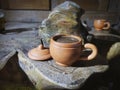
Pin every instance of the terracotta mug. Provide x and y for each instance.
(66, 49)
(101, 24)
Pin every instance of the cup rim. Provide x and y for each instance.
(100, 20)
(72, 44)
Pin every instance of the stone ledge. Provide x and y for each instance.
(45, 74)
(5, 56)
(56, 76)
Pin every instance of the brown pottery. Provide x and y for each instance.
(39, 53)
(66, 49)
(101, 24)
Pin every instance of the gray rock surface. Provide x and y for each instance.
(44, 74)
(56, 76)
(63, 19)
(10, 42)
(114, 51)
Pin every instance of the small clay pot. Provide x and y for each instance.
(39, 53)
(66, 49)
(101, 24)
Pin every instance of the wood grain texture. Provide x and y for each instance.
(91, 5)
(27, 4)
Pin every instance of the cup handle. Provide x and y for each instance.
(106, 25)
(93, 54)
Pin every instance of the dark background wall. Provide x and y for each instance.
(37, 10)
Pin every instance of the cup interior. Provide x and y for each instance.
(66, 39)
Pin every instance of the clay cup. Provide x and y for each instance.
(101, 24)
(67, 49)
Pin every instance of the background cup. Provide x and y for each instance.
(101, 24)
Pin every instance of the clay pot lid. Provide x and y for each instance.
(39, 53)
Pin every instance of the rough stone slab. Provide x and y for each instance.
(36, 77)
(5, 56)
(45, 74)
(64, 77)
(6, 50)
(10, 42)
